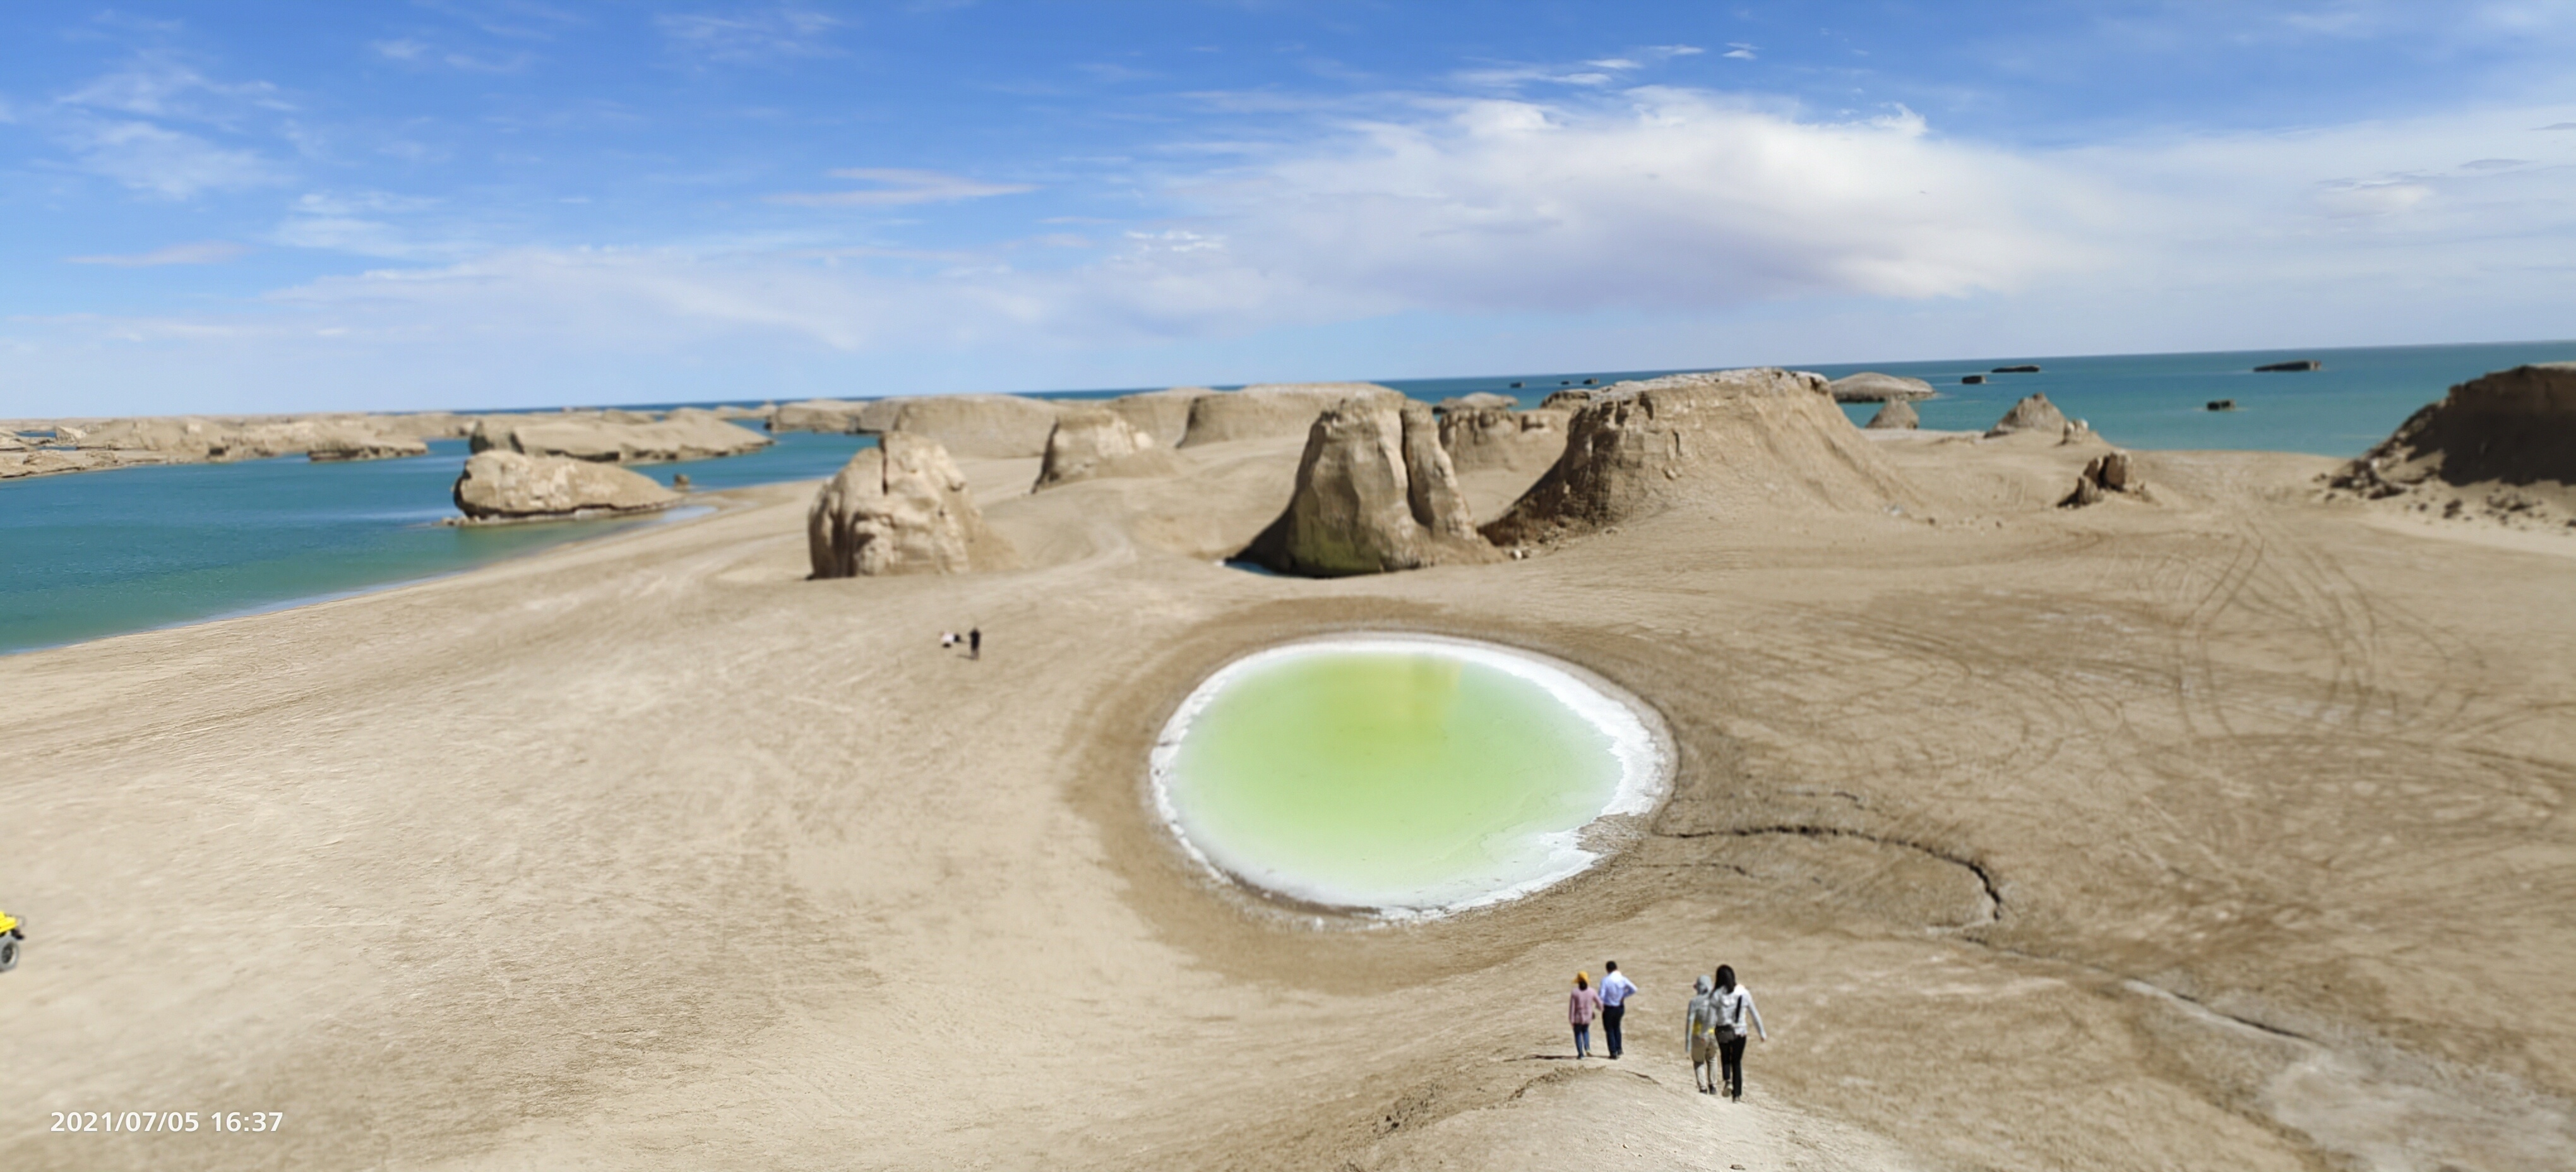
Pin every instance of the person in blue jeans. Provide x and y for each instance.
(1615, 992)
(1581, 1009)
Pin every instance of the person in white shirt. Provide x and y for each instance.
(1616, 989)
(1734, 1011)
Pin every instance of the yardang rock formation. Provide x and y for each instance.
(1375, 492)
(1092, 442)
(504, 485)
(900, 507)
(1734, 440)
(2502, 445)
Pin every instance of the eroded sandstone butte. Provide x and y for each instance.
(1089, 443)
(504, 485)
(901, 507)
(1375, 492)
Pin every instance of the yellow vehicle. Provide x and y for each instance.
(13, 936)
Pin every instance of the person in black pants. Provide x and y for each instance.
(975, 643)
(1616, 989)
(1734, 1011)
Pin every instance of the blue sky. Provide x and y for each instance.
(269, 206)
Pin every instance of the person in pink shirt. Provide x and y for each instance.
(1581, 1009)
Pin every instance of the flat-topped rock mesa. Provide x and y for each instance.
(2501, 445)
(1734, 440)
(1895, 415)
(1163, 414)
(501, 485)
(1267, 410)
(1474, 400)
(2034, 414)
(901, 507)
(192, 439)
(1487, 437)
(1869, 386)
(993, 427)
(1375, 493)
(1089, 443)
(686, 435)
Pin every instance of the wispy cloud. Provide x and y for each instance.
(1740, 51)
(166, 163)
(203, 252)
(897, 187)
(158, 84)
(751, 36)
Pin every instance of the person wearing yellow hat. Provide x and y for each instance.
(1581, 1009)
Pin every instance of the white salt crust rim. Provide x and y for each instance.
(1636, 735)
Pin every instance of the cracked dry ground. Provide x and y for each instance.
(2226, 831)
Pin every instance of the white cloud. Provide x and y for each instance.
(1740, 51)
(898, 186)
(159, 85)
(749, 37)
(166, 163)
(203, 252)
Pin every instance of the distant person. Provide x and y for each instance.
(975, 643)
(1734, 1011)
(1581, 1009)
(1616, 989)
(1699, 1030)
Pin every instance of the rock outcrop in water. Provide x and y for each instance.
(901, 507)
(514, 486)
(1869, 386)
(1483, 437)
(1266, 410)
(1895, 415)
(1738, 441)
(1375, 492)
(686, 435)
(2500, 446)
(2034, 413)
(1093, 442)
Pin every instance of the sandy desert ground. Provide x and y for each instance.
(2228, 830)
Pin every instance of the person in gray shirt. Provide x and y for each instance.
(1699, 1035)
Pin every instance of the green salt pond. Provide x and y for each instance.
(1402, 774)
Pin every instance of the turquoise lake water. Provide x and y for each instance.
(93, 554)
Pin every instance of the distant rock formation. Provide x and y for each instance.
(1479, 438)
(1093, 442)
(1972, 380)
(1743, 440)
(2295, 365)
(2502, 446)
(2033, 413)
(828, 416)
(1267, 410)
(900, 507)
(343, 444)
(1895, 415)
(1869, 386)
(693, 435)
(988, 427)
(2022, 369)
(507, 485)
(2105, 474)
(1474, 401)
(1164, 414)
(1375, 492)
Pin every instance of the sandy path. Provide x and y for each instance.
(2226, 831)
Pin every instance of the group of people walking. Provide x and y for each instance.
(1715, 1026)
